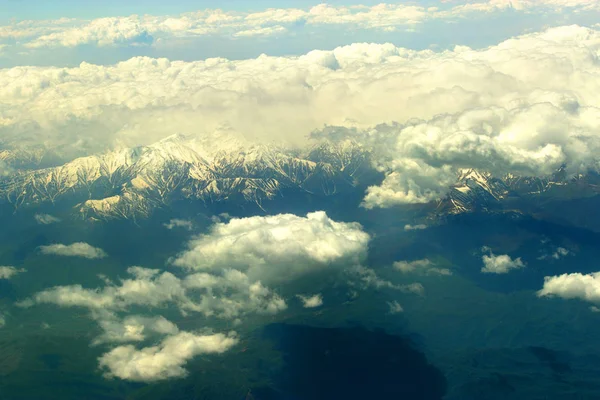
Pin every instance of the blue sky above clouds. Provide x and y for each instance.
(67, 32)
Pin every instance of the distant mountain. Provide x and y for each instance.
(132, 182)
(483, 192)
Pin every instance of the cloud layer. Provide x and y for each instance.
(424, 114)
(148, 30)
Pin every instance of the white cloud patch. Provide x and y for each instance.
(132, 328)
(395, 307)
(46, 219)
(5, 169)
(560, 252)
(79, 249)
(7, 272)
(164, 361)
(573, 286)
(499, 264)
(277, 248)
(311, 301)
(179, 223)
(424, 266)
(418, 227)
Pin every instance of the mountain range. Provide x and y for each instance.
(131, 183)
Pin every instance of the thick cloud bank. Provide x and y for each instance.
(526, 106)
(277, 248)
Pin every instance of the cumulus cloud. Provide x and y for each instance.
(7, 272)
(78, 249)
(164, 361)
(395, 307)
(132, 328)
(179, 223)
(573, 286)
(500, 264)
(311, 301)
(277, 248)
(46, 219)
(423, 266)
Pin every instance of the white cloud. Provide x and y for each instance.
(409, 227)
(46, 219)
(277, 248)
(263, 31)
(502, 264)
(313, 301)
(132, 328)
(423, 266)
(573, 286)
(7, 272)
(5, 169)
(136, 30)
(395, 307)
(227, 294)
(79, 249)
(164, 361)
(179, 223)
(560, 252)
(557, 254)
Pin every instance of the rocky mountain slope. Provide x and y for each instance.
(130, 183)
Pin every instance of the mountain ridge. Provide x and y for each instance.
(131, 183)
